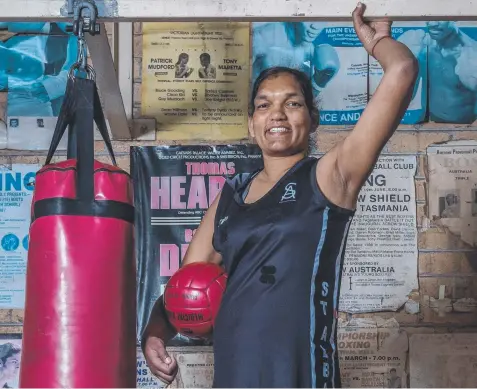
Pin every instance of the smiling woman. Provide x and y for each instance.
(292, 88)
(281, 231)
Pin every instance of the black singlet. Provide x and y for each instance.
(277, 323)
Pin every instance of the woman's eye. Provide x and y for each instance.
(294, 104)
(261, 106)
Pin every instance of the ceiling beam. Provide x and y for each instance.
(244, 10)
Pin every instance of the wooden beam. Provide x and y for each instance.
(125, 65)
(107, 81)
(245, 10)
(142, 128)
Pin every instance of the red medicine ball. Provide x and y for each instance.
(192, 298)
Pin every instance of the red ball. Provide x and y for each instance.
(192, 298)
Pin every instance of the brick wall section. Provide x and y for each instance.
(443, 258)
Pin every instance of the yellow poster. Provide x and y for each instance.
(196, 79)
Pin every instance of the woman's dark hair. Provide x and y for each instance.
(300, 77)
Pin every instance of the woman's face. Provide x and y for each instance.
(281, 121)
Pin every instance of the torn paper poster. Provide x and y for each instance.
(196, 368)
(443, 360)
(411, 34)
(380, 264)
(452, 171)
(372, 353)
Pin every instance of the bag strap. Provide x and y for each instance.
(83, 119)
(66, 119)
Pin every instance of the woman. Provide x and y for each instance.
(281, 233)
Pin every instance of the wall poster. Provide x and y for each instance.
(173, 187)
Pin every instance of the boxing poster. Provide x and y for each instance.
(195, 79)
(372, 353)
(381, 258)
(10, 356)
(344, 77)
(452, 48)
(34, 66)
(16, 191)
(173, 188)
(330, 54)
(452, 193)
(411, 34)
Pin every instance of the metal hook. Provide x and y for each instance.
(89, 24)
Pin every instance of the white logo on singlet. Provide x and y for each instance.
(223, 220)
(290, 193)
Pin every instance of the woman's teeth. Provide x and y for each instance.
(278, 129)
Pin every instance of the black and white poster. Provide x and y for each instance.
(173, 188)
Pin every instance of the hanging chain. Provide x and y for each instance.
(82, 24)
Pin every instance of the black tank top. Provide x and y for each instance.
(277, 323)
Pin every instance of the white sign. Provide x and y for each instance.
(16, 189)
(453, 188)
(380, 265)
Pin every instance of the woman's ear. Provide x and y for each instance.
(250, 128)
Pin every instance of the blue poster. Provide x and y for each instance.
(34, 66)
(331, 55)
(452, 51)
(412, 35)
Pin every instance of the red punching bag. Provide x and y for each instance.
(80, 310)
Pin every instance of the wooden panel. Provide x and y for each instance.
(98, 46)
(246, 9)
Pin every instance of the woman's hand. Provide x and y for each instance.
(370, 33)
(378, 42)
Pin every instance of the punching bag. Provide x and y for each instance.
(80, 309)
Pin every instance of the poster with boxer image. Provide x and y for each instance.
(411, 34)
(10, 356)
(34, 67)
(173, 188)
(16, 190)
(331, 55)
(195, 79)
(452, 48)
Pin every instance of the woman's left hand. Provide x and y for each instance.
(370, 33)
